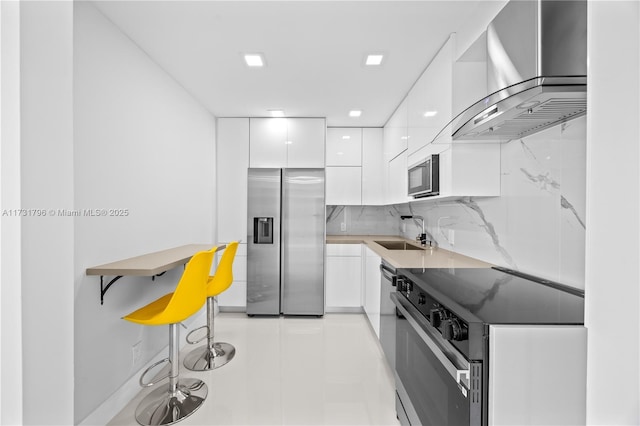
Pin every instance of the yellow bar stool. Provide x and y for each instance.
(214, 354)
(177, 399)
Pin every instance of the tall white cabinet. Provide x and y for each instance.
(232, 142)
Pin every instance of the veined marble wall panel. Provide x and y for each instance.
(363, 220)
(536, 226)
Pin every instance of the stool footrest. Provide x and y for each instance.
(152, 366)
(195, 342)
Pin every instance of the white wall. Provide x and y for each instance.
(142, 143)
(613, 214)
(46, 181)
(10, 273)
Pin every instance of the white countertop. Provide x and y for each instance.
(427, 258)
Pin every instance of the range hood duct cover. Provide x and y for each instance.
(536, 69)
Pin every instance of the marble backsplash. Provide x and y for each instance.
(536, 226)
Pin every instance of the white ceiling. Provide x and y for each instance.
(314, 51)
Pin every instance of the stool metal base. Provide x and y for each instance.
(205, 358)
(163, 407)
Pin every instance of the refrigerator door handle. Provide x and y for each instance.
(283, 235)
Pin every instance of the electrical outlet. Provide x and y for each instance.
(343, 227)
(452, 236)
(404, 227)
(136, 352)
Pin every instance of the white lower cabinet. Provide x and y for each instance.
(343, 277)
(371, 297)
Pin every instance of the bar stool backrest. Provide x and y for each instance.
(191, 291)
(224, 273)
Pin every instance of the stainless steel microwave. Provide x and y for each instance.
(424, 178)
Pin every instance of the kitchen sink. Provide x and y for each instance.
(397, 245)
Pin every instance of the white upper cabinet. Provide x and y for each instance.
(268, 137)
(343, 186)
(395, 133)
(344, 146)
(429, 103)
(305, 142)
(351, 180)
(373, 176)
(397, 178)
(470, 76)
(287, 142)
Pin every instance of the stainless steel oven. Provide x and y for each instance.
(434, 382)
(453, 325)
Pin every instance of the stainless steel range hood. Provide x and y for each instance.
(536, 71)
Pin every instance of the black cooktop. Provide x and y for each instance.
(493, 296)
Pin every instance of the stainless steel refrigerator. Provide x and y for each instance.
(285, 242)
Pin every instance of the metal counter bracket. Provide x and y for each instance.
(103, 289)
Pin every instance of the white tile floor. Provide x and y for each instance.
(294, 371)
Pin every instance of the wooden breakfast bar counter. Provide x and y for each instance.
(146, 265)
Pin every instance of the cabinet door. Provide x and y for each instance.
(372, 289)
(429, 103)
(398, 191)
(305, 142)
(395, 133)
(231, 171)
(343, 280)
(268, 142)
(373, 175)
(344, 146)
(344, 186)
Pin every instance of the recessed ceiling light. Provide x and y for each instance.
(254, 60)
(430, 113)
(340, 153)
(355, 113)
(276, 112)
(374, 59)
(288, 142)
(346, 137)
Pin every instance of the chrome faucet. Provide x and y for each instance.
(423, 236)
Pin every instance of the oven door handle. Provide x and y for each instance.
(461, 376)
(388, 274)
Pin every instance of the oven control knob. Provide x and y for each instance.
(452, 330)
(408, 287)
(422, 299)
(435, 317)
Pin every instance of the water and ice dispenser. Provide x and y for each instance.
(263, 230)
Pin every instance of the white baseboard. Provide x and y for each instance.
(235, 309)
(343, 310)
(121, 397)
